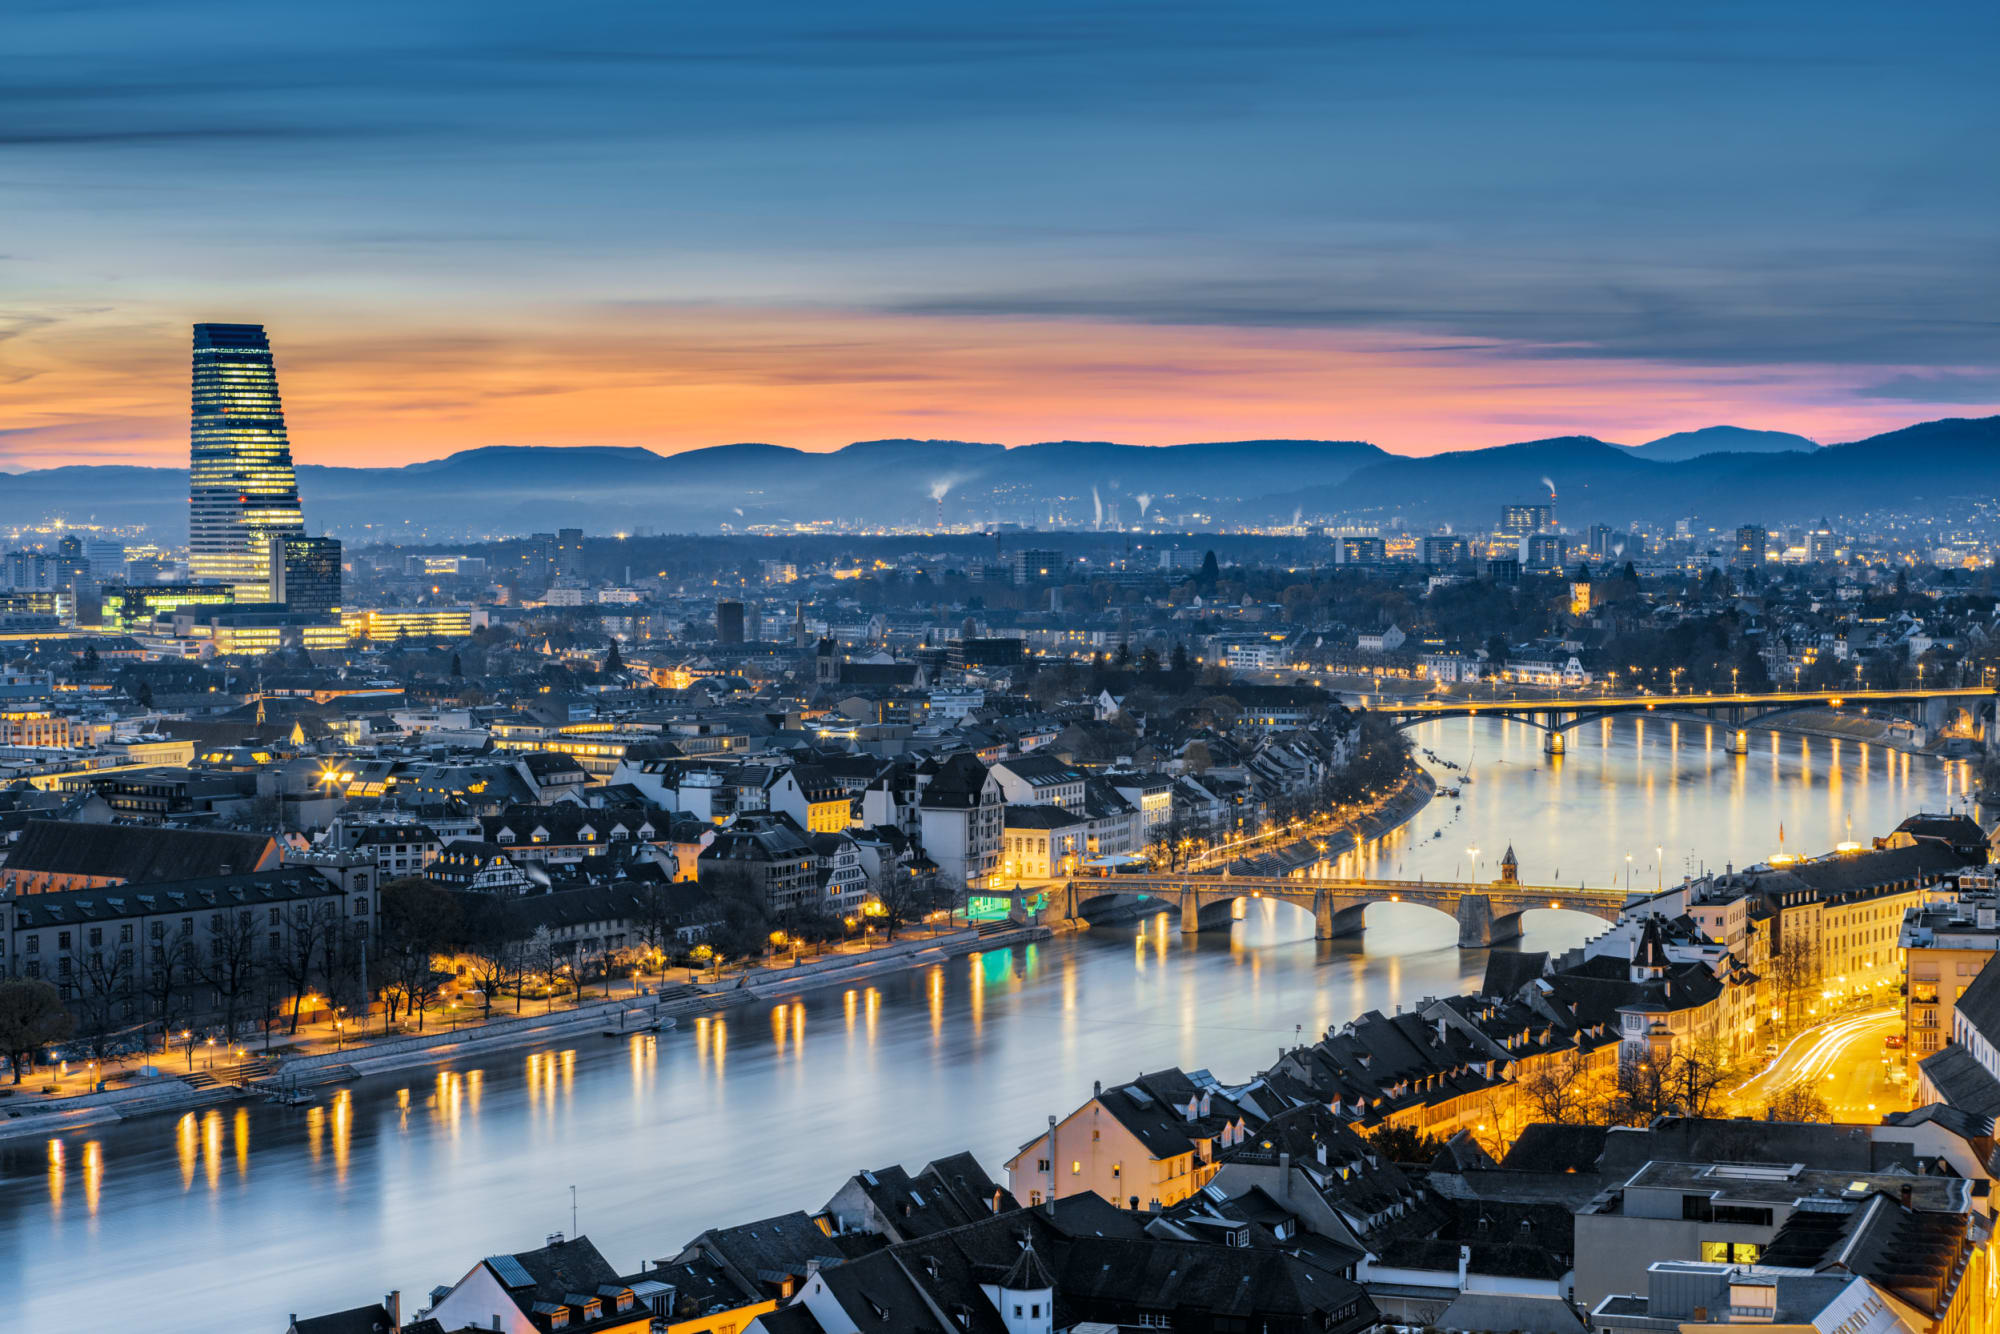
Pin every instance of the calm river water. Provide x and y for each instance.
(244, 1214)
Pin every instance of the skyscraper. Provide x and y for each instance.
(305, 573)
(241, 487)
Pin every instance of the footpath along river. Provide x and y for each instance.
(243, 1214)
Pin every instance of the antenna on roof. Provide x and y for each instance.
(572, 1211)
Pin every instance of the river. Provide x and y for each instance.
(241, 1214)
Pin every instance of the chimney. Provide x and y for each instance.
(1909, 1192)
(1285, 1175)
(393, 1304)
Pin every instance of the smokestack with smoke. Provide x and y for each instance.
(1145, 499)
(939, 490)
(1552, 502)
(1096, 509)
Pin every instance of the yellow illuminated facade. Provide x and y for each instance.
(410, 622)
(241, 487)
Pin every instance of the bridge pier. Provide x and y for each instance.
(1190, 912)
(1322, 915)
(1739, 741)
(1554, 743)
(1475, 921)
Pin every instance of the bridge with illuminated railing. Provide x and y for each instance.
(1485, 913)
(1561, 714)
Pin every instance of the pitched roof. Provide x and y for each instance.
(135, 852)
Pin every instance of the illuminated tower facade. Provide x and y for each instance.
(242, 491)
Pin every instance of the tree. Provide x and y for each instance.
(904, 899)
(297, 955)
(457, 666)
(32, 1016)
(614, 661)
(545, 960)
(492, 945)
(143, 697)
(90, 661)
(1687, 1080)
(1795, 975)
(654, 919)
(103, 994)
(1211, 572)
(1700, 1069)
(1797, 1102)
(1562, 1091)
(1177, 661)
(419, 921)
(166, 981)
(230, 962)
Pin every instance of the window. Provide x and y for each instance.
(62, 940)
(156, 930)
(1730, 1252)
(1075, 1167)
(96, 936)
(35, 947)
(274, 917)
(125, 934)
(187, 926)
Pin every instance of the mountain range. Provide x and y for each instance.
(1721, 475)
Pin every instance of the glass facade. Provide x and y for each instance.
(241, 488)
(305, 573)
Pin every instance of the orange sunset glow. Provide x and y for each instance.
(104, 390)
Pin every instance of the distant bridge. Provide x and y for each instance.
(1485, 913)
(1559, 715)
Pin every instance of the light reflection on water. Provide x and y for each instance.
(405, 1180)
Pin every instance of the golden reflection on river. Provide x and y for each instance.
(406, 1178)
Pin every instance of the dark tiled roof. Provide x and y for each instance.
(1980, 1005)
(1962, 1081)
(1557, 1148)
(360, 1320)
(133, 852)
(171, 896)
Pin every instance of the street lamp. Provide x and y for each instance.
(1628, 874)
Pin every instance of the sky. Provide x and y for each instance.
(1430, 226)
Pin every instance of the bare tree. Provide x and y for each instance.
(305, 923)
(1797, 1102)
(32, 1015)
(230, 962)
(168, 974)
(1699, 1070)
(1795, 975)
(545, 958)
(1687, 1080)
(103, 983)
(493, 949)
(1562, 1090)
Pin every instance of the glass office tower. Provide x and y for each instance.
(242, 491)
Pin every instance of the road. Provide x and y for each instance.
(1842, 1059)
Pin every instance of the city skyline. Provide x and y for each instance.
(674, 230)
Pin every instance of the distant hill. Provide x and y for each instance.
(1684, 445)
(1722, 475)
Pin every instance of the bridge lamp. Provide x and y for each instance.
(1555, 903)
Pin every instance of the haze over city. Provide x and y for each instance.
(682, 226)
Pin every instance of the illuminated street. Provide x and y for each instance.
(1843, 1060)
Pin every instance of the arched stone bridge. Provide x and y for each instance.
(1485, 913)
(1561, 714)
